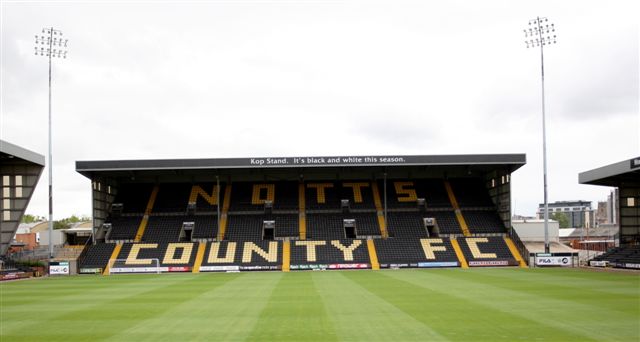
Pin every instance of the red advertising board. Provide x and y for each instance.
(179, 269)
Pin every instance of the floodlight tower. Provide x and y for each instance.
(540, 33)
(51, 44)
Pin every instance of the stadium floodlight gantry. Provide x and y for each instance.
(625, 176)
(20, 170)
(297, 213)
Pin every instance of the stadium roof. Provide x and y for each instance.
(10, 151)
(512, 161)
(20, 169)
(627, 171)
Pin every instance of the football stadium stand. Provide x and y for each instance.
(625, 257)
(276, 214)
(625, 176)
(20, 170)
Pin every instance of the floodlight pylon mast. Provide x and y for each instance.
(540, 34)
(55, 47)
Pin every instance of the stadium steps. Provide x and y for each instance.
(225, 210)
(379, 210)
(141, 228)
(199, 257)
(456, 208)
(302, 217)
(147, 212)
(114, 255)
(375, 265)
(286, 256)
(68, 253)
(514, 251)
(459, 254)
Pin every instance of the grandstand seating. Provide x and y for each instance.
(313, 231)
(404, 193)
(247, 255)
(172, 198)
(331, 226)
(205, 196)
(471, 193)
(413, 251)
(134, 197)
(249, 227)
(124, 228)
(328, 195)
(163, 229)
(343, 251)
(168, 254)
(406, 224)
(325, 226)
(252, 196)
(97, 256)
(205, 226)
(486, 251)
(624, 256)
(483, 222)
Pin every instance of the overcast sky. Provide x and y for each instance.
(204, 79)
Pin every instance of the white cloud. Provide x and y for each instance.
(235, 79)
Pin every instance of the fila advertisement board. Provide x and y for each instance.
(59, 268)
(553, 261)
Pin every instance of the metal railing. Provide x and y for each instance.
(524, 252)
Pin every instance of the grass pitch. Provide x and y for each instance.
(402, 305)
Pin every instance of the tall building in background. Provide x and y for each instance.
(607, 212)
(612, 207)
(601, 213)
(578, 213)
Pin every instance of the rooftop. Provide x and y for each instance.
(627, 171)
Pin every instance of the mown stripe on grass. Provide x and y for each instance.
(577, 321)
(614, 283)
(358, 314)
(218, 313)
(41, 290)
(588, 292)
(59, 296)
(429, 299)
(104, 314)
(295, 312)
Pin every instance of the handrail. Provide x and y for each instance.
(85, 250)
(524, 252)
